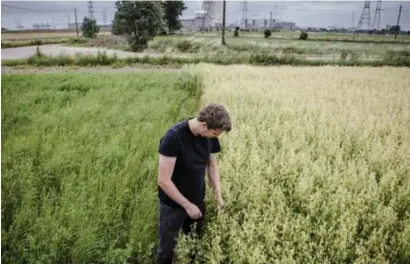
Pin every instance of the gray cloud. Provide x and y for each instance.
(303, 13)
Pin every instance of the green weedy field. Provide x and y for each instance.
(79, 163)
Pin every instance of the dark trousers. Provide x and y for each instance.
(171, 222)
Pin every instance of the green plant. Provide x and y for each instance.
(236, 33)
(184, 45)
(267, 33)
(89, 27)
(303, 35)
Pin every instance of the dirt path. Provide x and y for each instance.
(13, 70)
(59, 49)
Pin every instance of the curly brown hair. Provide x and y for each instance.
(216, 117)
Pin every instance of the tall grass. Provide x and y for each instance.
(79, 163)
(257, 45)
(316, 169)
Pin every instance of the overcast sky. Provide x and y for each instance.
(303, 13)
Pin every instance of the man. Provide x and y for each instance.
(186, 152)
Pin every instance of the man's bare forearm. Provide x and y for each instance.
(213, 175)
(172, 191)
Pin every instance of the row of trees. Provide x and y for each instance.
(141, 21)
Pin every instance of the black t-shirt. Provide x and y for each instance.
(192, 153)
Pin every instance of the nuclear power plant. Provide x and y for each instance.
(209, 17)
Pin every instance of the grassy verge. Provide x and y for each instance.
(393, 58)
(325, 36)
(79, 163)
(316, 167)
(257, 43)
(38, 42)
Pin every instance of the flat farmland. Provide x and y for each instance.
(315, 169)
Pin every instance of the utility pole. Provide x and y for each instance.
(105, 17)
(223, 22)
(352, 19)
(270, 21)
(76, 23)
(398, 21)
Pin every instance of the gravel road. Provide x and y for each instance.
(58, 49)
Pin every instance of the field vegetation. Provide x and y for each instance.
(298, 49)
(316, 168)
(318, 36)
(79, 163)
(209, 44)
(223, 57)
(249, 48)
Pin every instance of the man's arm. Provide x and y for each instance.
(213, 176)
(166, 167)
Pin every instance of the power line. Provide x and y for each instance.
(38, 10)
(376, 19)
(365, 17)
(91, 9)
(245, 14)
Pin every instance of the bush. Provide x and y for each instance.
(267, 33)
(303, 35)
(138, 43)
(236, 33)
(184, 45)
(90, 28)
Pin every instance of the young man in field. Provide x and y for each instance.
(186, 152)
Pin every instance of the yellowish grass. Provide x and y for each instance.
(316, 169)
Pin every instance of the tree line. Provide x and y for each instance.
(140, 21)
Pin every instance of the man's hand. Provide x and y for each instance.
(213, 175)
(193, 211)
(221, 203)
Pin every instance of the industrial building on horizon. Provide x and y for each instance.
(209, 18)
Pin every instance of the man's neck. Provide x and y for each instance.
(193, 124)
